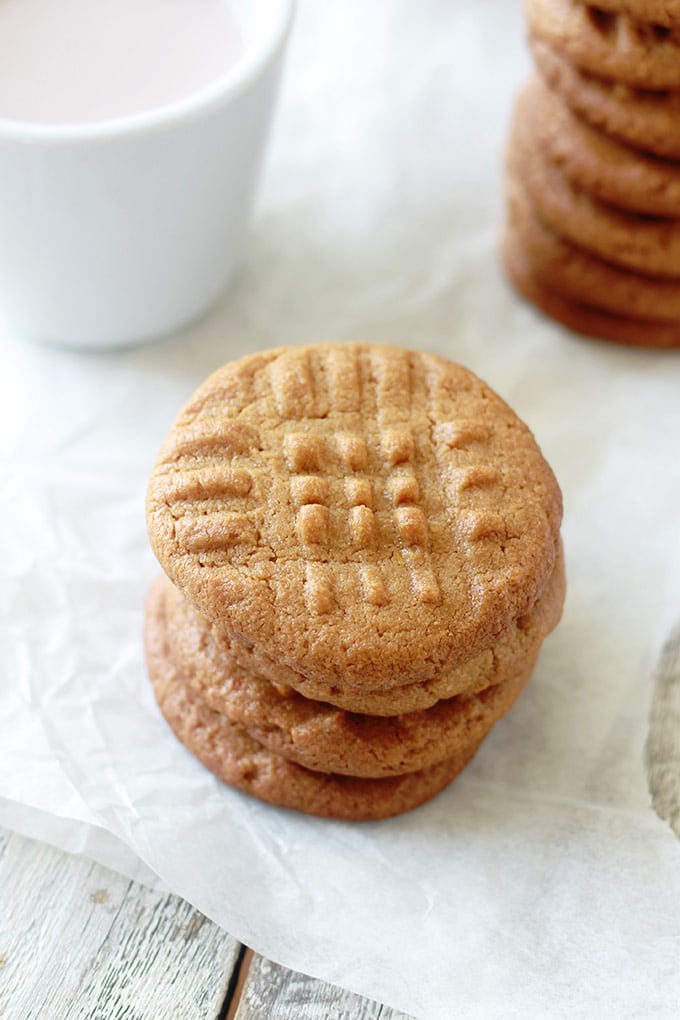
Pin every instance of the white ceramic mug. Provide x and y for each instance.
(117, 232)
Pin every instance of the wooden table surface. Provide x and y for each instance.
(80, 941)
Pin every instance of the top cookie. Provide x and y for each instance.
(609, 43)
(656, 13)
(356, 511)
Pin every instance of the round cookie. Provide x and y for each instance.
(576, 274)
(489, 668)
(595, 162)
(609, 44)
(580, 318)
(647, 245)
(312, 733)
(363, 515)
(649, 121)
(238, 760)
(658, 13)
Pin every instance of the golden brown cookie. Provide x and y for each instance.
(312, 733)
(239, 760)
(645, 244)
(363, 515)
(576, 274)
(595, 162)
(645, 120)
(611, 44)
(659, 13)
(505, 657)
(579, 317)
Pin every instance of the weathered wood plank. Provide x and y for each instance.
(79, 941)
(279, 994)
(662, 751)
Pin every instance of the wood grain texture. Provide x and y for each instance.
(79, 941)
(275, 993)
(662, 751)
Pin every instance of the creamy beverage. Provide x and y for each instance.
(79, 61)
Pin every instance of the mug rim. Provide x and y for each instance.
(254, 61)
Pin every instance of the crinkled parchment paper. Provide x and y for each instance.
(541, 884)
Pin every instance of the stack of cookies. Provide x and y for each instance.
(362, 558)
(593, 235)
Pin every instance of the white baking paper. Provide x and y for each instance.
(540, 884)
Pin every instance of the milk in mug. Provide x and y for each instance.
(82, 61)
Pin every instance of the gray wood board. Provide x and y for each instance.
(662, 751)
(79, 941)
(279, 994)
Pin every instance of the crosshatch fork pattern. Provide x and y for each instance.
(342, 501)
(609, 41)
(620, 27)
(348, 465)
(370, 480)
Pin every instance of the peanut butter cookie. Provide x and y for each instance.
(581, 318)
(595, 162)
(576, 274)
(239, 760)
(648, 245)
(366, 516)
(316, 734)
(612, 44)
(643, 119)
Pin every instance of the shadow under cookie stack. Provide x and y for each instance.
(593, 171)
(362, 559)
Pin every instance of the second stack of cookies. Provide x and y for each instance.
(363, 559)
(593, 186)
